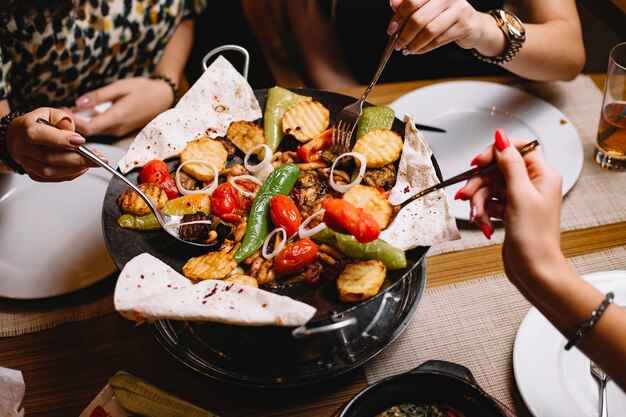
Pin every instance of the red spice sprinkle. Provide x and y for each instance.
(240, 290)
(406, 189)
(264, 305)
(229, 287)
(213, 291)
(169, 285)
(141, 276)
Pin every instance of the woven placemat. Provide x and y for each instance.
(598, 198)
(474, 323)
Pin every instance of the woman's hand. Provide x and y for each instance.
(526, 195)
(136, 101)
(46, 153)
(432, 24)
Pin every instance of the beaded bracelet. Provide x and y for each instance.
(169, 82)
(5, 157)
(591, 320)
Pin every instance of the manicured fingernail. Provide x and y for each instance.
(405, 52)
(65, 119)
(472, 215)
(458, 193)
(486, 230)
(77, 140)
(82, 101)
(475, 160)
(502, 140)
(393, 26)
(397, 47)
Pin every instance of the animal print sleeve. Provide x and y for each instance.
(5, 70)
(193, 7)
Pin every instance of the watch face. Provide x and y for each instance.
(514, 23)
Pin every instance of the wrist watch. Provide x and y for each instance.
(514, 31)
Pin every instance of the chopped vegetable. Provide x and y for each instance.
(312, 151)
(360, 173)
(203, 149)
(213, 265)
(206, 190)
(280, 181)
(361, 280)
(380, 147)
(157, 172)
(242, 279)
(306, 120)
(372, 201)
(245, 135)
(130, 202)
(303, 232)
(295, 256)
(352, 219)
(392, 258)
(279, 100)
(285, 214)
(178, 207)
(279, 247)
(373, 118)
(224, 200)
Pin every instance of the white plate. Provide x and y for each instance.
(471, 111)
(557, 383)
(52, 241)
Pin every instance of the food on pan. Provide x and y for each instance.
(412, 410)
(131, 203)
(284, 210)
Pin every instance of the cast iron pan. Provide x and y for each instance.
(125, 244)
(433, 382)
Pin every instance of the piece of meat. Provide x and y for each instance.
(228, 145)
(384, 177)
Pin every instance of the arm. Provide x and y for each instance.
(318, 44)
(177, 51)
(553, 49)
(529, 193)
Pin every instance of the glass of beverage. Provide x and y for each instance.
(611, 139)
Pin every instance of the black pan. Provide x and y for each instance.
(433, 382)
(125, 244)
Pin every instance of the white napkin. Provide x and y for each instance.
(11, 392)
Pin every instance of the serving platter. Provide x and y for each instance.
(359, 341)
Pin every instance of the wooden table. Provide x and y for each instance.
(65, 367)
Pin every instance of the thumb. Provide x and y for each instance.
(101, 95)
(395, 4)
(61, 119)
(511, 163)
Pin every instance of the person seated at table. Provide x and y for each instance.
(65, 56)
(526, 195)
(341, 41)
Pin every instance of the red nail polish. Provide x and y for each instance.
(475, 160)
(486, 230)
(502, 140)
(458, 193)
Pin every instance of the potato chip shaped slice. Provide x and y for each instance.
(306, 120)
(372, 202)
(380, 147)
(213, 265)
(203, 149)
(361, 280)
(130, 202)
(245, 135)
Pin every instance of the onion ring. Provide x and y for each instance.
(344, 188)
(280, 247)
(266, 159)
(251, 178)
(304, 233)
(206, 190)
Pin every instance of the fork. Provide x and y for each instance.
(349, 115)
(474, 172)
(602, 380)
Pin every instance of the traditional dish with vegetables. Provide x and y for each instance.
(276, 205)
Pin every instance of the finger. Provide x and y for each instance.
(449, 35)
(42, 135)
(474, 184)
(62, 158)
(511, 163)
(495, 209)
(101, 95)
(42, 172)
(61, 119)
(429, 23)
(479, 213)
(403, 11)
(100, 124)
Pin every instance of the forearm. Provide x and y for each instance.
(177, 51)
(566, 301)
(4, 108)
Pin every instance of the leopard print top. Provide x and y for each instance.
(52, 61)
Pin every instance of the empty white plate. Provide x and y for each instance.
(471, 111)
(52, 241)
(555, 382)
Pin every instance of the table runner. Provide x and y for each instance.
(474, 323)
(598, 198)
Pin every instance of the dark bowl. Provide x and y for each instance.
(433, 382)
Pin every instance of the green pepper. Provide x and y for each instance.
(180, 206)
(280, 181)
(374, 118)
(392, 258)
(279, 100)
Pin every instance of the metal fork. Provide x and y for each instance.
(602, 380)
(349, 115)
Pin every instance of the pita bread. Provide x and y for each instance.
(149, 290)
(221, 95)
(430, 215)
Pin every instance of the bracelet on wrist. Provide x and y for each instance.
(169, 82)
(5, 157)
(590, 322)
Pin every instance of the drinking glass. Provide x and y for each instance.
(611, 139)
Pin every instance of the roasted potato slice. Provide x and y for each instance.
(372, 201)
(306, 120)
(203, 149)
(380, 147)
(245, 135)
(213, 265)
(361, 280)
(130, 202)
(243, 280)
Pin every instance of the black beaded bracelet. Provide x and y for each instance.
(591, 320)
(4, 151)
(169, 82)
